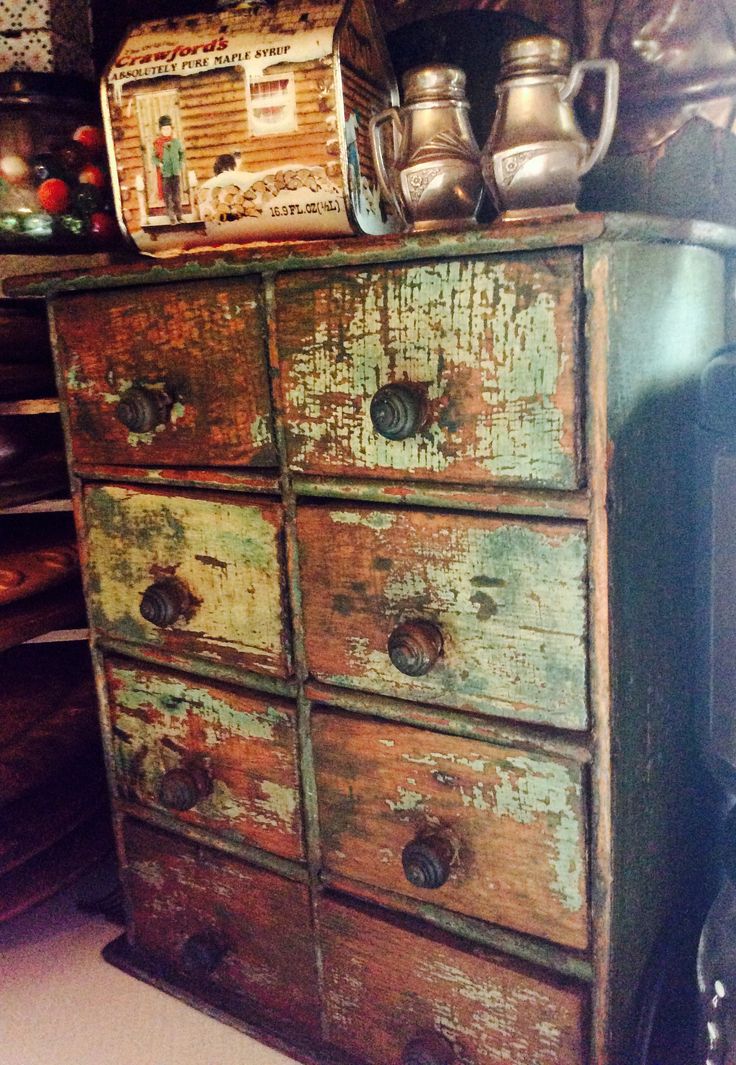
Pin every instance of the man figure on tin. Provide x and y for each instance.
(168, 158)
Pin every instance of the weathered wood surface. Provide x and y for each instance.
(225, 549)
(508, 596)
(229, 480)
(656, 316)
(490, 344)
(246, 745)
(198, 345)
(385, 985)
(525, 502)
(277, 257)
(515, 821)
(262, 921)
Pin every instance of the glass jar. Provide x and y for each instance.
(54, 183)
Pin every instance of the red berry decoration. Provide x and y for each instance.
(91, 138)
(54, 195)
(92, 175)
(102, 227)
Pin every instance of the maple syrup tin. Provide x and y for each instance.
(248, 124)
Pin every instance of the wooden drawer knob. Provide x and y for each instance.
(201, 954)
(427, 862)
(143, 409)
(428, 1048)
(414, 647)
(183, 788)
(397, 411)
(164, 602)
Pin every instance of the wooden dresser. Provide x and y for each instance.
(389, 553)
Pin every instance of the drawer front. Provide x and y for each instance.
(207, 568)
(489, 613)
(210, 755)
(487, 349)
(486, 831)
(221, 926)
(412, 992)
(172, 376)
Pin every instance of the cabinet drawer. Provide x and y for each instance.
(205, 569)
(171, 376)
(490, 832)
(413, 993)
(221, 926)
(476, 613)
(212, 755)
(475, 360)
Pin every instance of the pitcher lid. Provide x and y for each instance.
(539, 54)
(434, 81)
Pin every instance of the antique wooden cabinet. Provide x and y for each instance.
(389, 552)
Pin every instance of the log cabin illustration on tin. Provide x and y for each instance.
(250, 124)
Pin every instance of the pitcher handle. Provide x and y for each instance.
(610, 104)
(391, 115)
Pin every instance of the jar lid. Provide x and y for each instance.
(22, 84)
(535, 55)
(435, 81)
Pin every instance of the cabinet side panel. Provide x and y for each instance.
(665, 319)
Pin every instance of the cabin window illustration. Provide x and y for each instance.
(163, 153)
(271, 105)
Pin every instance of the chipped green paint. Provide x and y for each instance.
(375, 519)
(392, 982)
(174, 698)
(525, 659)
(516, 822)
(496, 358)
(278, 802)
(528, 789)
(138, 536)
(73, 381)
(246, 745)
(408, 801)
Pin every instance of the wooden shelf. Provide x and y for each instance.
(58, 610)
(30, 406)
(61, 636)
(18, 265)
(59, 865)
(40, 506)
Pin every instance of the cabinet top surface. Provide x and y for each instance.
(269, 257)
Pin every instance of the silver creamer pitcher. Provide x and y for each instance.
(536, 152)
(434, 180)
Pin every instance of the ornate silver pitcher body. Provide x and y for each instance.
(536, 152)
(434, 180)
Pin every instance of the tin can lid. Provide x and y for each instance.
(435, 81)
(540, 54)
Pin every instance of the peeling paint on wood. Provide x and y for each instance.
(196, 345)
(138, 536)
(393, 984)
(517, 652)
(491, 344)
(245, 744)
(262, 921)
(517, 821)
